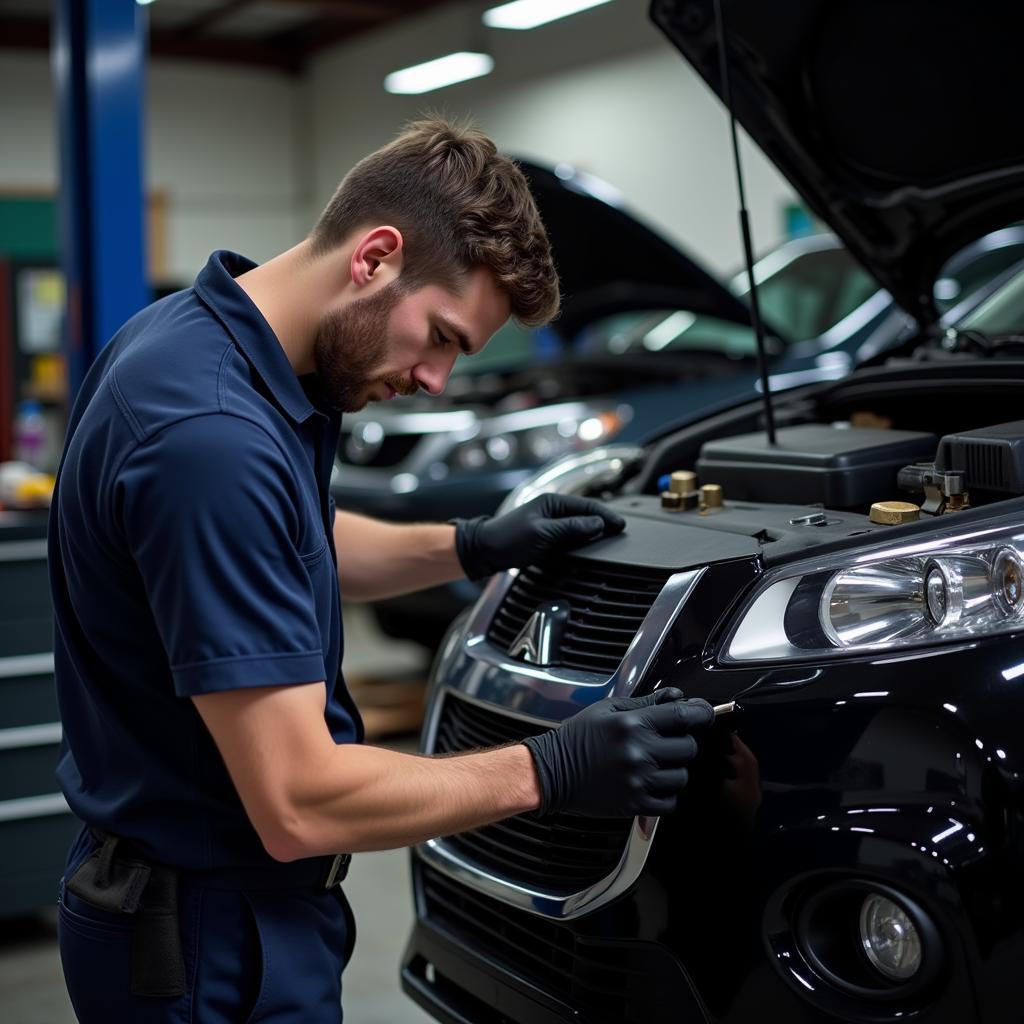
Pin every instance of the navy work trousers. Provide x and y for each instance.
(259, 955)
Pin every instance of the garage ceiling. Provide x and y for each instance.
(267, 33)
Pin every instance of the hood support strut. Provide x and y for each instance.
(748, 248)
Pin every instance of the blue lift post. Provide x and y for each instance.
(99, 51)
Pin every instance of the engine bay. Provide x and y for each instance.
(828, 479)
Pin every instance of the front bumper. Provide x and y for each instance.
(520, 972)
(855, 771)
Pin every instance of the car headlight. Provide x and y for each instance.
(957, 584)
(534, 437)
(579, 473)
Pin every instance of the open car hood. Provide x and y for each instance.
(609, 262)
(895, 120)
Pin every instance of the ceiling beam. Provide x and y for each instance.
(225, 50)
(356, 10)
(34, 34)
(285, 50)
(209, 17)
(25, 33)
(393, 12)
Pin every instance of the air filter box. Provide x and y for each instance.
(839, 467)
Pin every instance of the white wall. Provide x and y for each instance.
(602, 90)
(220, 143)
(28, 134)
(248, 157)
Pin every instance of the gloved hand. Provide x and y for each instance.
(543, 526)
(620, 757)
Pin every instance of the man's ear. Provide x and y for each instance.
(377, 257)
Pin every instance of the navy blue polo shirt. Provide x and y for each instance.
(190, 552)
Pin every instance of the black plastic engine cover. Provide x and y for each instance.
(837, 467)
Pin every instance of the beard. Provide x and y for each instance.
(351, 346)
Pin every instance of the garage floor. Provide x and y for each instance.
(31, 985)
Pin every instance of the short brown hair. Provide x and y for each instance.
(459, 205)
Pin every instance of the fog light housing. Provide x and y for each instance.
(866, 943)
(890, 941)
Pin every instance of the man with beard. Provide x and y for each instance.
(210, 745)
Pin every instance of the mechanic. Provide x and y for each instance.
(210, 745)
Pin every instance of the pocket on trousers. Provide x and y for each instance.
(90, 922)
(95, 954)
(350, 925)
(304, 943)
(228, 958)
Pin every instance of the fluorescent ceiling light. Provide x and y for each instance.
(436, 74)
(531, 13)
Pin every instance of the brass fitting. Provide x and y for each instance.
(894, 513)
(672, 501)
(682, 481)
(711, 498)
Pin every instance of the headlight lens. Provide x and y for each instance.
(579, 473)
(889, 938)
(517, 439)
(955, 585)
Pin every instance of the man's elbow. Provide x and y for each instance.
(284, 846)
(291, 836)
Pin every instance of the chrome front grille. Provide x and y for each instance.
(607, 605)
(604, 982)
(559, 867)
(555, 853)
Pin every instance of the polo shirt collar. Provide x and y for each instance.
(216, 286)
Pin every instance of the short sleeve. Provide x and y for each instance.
(213, 517)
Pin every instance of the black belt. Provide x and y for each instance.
(115, 879)
(311, 873)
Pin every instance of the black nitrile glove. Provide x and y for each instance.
(543, 526)
(620, 757)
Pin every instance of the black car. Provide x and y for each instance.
(851, 843)
(638, 344)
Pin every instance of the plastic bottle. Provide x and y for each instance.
(30, 434)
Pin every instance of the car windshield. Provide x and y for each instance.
(1002, 312)
(802, 295)
(665, 330)
(515, 347)
(809, 293)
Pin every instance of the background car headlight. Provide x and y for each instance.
(954, 585)
(534, 437)
(579, 473)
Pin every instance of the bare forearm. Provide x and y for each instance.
(378, 559)
(368, 798)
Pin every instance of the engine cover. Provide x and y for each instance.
(847, 467)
